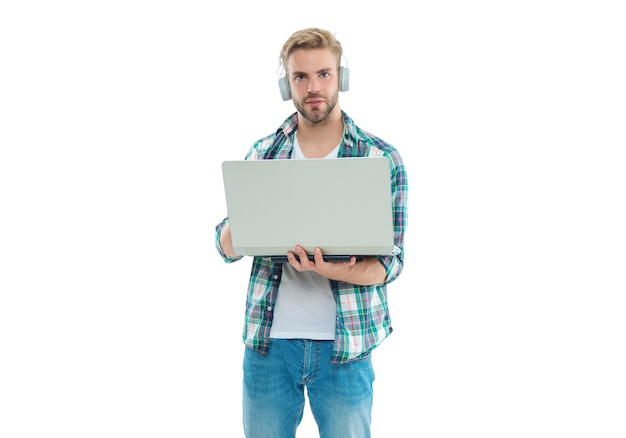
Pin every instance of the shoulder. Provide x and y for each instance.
(277, 143)
(368, 144)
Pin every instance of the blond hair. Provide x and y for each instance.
(311, 38)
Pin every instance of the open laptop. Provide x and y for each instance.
(341, 205)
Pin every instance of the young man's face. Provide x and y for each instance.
(314, 82)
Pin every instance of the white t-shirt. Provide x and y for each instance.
(305, 307)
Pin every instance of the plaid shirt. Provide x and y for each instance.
(363, 320)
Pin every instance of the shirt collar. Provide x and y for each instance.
(350, 135)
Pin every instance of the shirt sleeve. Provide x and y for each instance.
(399, 191)
(218, 244)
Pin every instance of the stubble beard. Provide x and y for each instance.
(317, 115)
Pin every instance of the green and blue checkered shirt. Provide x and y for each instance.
(363, 320)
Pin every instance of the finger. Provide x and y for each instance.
(318, 256)
(293, 261)
(304, 258)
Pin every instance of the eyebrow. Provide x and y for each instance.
(323, 70)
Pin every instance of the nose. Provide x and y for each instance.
(313, 87)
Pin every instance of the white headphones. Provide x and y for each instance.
(344, 83)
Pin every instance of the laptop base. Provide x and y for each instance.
(327, 258)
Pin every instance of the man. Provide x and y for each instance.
(312, 324)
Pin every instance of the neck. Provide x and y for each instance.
(317, 140)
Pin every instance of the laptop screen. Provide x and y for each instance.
(342, 205)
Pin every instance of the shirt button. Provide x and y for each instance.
(269, 308)
(275, 277)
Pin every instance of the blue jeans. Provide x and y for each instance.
(274, 385)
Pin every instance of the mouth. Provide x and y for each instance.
(314, 103)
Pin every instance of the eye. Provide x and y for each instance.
(298, 77)
(325, 74)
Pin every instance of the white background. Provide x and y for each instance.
(118, 318)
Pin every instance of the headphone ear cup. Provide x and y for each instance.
(344, 79)
(285, 90)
